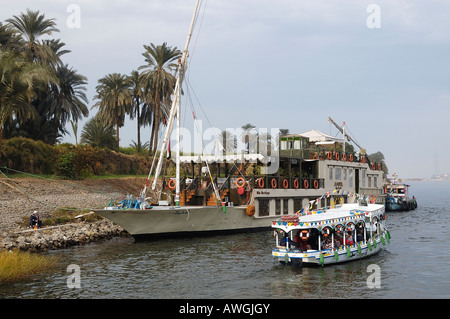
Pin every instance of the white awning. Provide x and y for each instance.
(252, 158)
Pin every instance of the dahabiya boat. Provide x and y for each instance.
(331, 235)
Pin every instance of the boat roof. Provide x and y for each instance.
(341, 214)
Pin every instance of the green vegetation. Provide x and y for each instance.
(40, 95)
(18, 265)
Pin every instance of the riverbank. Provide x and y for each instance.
(19, 197)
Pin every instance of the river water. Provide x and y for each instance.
(414, 265)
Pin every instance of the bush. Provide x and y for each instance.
(28, 155)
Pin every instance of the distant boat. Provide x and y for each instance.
(397, 196)
(330, 235)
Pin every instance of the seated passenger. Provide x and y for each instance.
(349, 239)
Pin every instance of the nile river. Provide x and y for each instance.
(416, 264)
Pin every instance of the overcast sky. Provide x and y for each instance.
(380, 66)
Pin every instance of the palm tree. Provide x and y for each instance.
(31, 26)
(247, 134)
(114, 95)
(96, 134)
(228, 141)
(18, 78)
(68, 98)
(159, 82)
(137, 95)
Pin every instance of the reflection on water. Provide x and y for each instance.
(414, 265)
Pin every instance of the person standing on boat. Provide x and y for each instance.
(35, 221)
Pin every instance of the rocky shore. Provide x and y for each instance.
(19, 197)
(62, 236)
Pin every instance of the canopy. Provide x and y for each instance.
(252, 158)
(320, 138)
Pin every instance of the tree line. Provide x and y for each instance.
(40, 94)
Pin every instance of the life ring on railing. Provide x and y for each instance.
(261, 182)
(316, 184)
(285, 183)
(363, 160)
(336, 156)
(304, 235)
(240, 182)
(344, 157)
(379, 166)
(329, 155)
(373, 166)
(273, 182)
(305, 184)
(250, 211)
(350, 158)
(172, 184)
(296, 183)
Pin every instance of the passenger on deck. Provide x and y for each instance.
(303, 243)
(326, 243)
(349, 238)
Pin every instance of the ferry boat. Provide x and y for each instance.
(331, 235)
(241, 192)
(397, 198)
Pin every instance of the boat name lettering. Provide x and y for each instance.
(263, 192)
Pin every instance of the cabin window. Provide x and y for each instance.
(350, 178)
(337, 172)
(363, 178)
(375, 181)
(344, 174)
(283, 145)
(263, 208)
(369, 181)
(297, 204)
(285, 206)
(277, 206)
(330, 173)
(297, 145)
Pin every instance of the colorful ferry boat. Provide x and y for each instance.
(331, 235)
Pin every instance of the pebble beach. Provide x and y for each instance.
(19, 197)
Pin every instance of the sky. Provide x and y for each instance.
(380, 66)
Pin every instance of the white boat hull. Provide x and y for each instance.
(171, 220)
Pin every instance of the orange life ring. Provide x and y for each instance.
(261, 182)
(304, 235)
(344, 157)
(172, 184)
(274, 183)
(296, 183)
(305, 183)
(350, 158)
(373, 166)
(240, 182)
(285, 183)
(379, 166)
(316, 184)
(363, 160)
(329, 155)
(336, 156)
